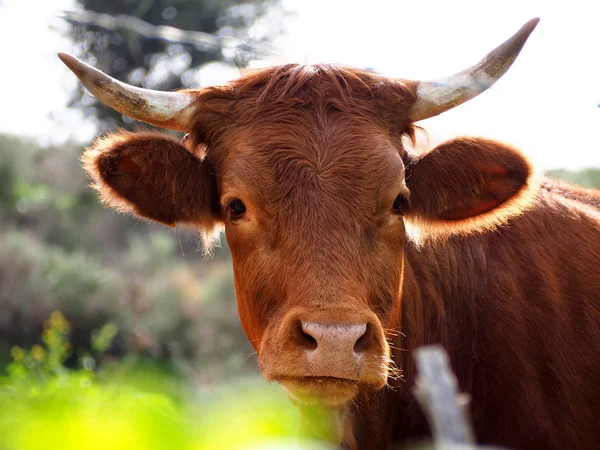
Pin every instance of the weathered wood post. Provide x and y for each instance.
(444, 406)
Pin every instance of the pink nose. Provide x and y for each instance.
(335, 340)
(336, 343)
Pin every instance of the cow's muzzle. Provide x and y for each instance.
(327, 356)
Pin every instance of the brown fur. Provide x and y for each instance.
(316, 155)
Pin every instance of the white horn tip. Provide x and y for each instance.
(533, 22)
(435, 97)
(88, 75)
(70, 61)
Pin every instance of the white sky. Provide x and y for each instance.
(547, 104)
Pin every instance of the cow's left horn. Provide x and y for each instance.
(170, 110)
(435, 97)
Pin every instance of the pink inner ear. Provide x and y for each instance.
(496, 189)
(127, 164)
(462, 211)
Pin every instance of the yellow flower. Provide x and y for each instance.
(17, 353)
(58, 322)
(48, 335)
(38, 353)
(110, 329)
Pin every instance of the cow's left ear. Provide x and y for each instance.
(468, 184)
(151, 175)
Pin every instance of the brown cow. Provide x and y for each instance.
(350, 249)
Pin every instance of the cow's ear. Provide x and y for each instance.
(468, 184)
(152, 175)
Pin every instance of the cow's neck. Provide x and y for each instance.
(440, 298)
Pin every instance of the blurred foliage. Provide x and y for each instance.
(157, 64)
(589, 178)
(42, 362)
(134, 404)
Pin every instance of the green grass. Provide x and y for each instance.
(133, 404)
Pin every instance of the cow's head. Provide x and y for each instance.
(305, 168)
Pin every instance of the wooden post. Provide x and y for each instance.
(444, 406)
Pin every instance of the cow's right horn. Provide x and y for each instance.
(171, 110)
(435, 97)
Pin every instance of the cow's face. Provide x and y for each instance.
(313, 218)
(314, 201)
(304, 167)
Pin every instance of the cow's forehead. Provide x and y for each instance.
(311, 161)
(308, 107)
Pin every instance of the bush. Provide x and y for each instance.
(35, 280)
(12, 165)
(165, 312)
(589, 178)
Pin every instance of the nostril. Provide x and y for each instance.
(305, 340)
(365, 341)
(334, 338)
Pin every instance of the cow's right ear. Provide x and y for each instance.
(152, 175)
(468, 185)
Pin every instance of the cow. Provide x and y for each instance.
(351, 249)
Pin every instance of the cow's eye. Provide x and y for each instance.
(236, 209)
(400, 204)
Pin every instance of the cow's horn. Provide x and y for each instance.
(163, 109)
(435, 97)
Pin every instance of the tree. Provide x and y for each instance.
(126, 39)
